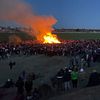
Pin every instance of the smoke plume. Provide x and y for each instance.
(20, 12)
(14, 39)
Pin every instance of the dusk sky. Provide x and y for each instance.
(70, 13)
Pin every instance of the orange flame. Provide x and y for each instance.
(50, 38)
(39, 25)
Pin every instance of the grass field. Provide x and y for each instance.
(78, 36)
(65, 36)
(22, 35)
(40, 64)
(45, 66)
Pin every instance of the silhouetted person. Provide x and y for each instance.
(59, 77)
(28, 86)
(67, 79)
(94, 78)
(11, 64)
(20, 85)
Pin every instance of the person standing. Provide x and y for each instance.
(67, 79)
(28, 86)
(20, 89)
(94, 78)
(11, 64)
(74, 77)
(20, 86)
(60, 82)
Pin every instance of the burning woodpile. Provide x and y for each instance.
(22, 14)
(50, 38)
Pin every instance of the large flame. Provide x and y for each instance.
(39, 26)
(50, 38)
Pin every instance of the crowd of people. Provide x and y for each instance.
(82, 54)
(80, 51)
(66, 48)
(24, 87)
(66, 79)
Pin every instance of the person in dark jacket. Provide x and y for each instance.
(28, 86)
(67, 79)
(20, 85)
(59, 77)
(94, 78)
(11, 64)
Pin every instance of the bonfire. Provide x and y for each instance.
(50, 38)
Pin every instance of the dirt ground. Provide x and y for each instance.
(92, 93)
